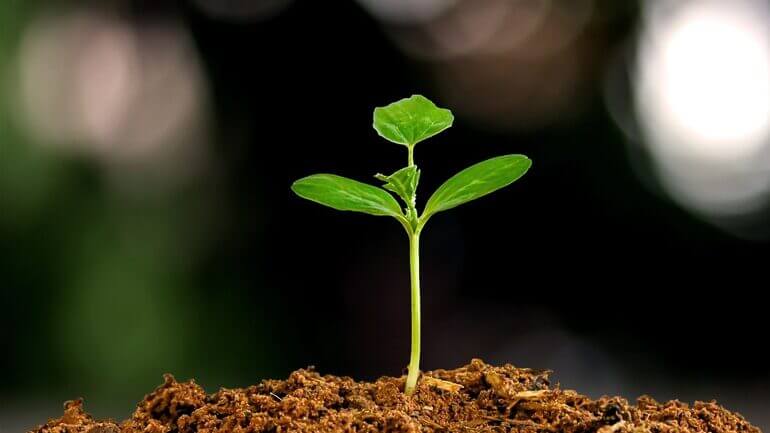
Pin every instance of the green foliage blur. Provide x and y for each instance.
(104, 290)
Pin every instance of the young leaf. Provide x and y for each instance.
(477, 181)
(342, 193)
(403, 182)
(411, 120)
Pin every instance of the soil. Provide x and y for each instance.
(474, 398)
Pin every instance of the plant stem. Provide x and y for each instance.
(411, 156)
(414, 266)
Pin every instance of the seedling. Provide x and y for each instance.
(408, 122)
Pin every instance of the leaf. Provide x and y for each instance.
(477, 181)
(403, 182)
(411, 120)
(346, 194)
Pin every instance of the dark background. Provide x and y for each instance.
(583, 266)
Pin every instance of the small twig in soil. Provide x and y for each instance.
(442, 384)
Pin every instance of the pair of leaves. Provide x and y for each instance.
(474, 182)
(408, 122)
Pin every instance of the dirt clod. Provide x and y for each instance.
(475, 398)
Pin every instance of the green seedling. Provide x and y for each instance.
(408, 122)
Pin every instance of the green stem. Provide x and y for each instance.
(414, 264)
(411, 156)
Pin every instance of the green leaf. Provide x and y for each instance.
(403, 182)
(342, 193)
(411, 120)
(477, 181)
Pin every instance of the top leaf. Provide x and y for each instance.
(411, 120)
(477, 181)
(342, 193)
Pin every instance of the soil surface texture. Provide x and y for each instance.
(474, 398)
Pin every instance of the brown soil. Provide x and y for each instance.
(474, 398)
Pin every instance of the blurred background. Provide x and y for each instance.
(147, 226)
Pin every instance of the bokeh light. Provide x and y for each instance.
(506, 64)
(124, 94)
(703, 97)
(406, 11)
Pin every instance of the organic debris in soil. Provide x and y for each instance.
(474, 398)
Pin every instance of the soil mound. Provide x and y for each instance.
(474, 398)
